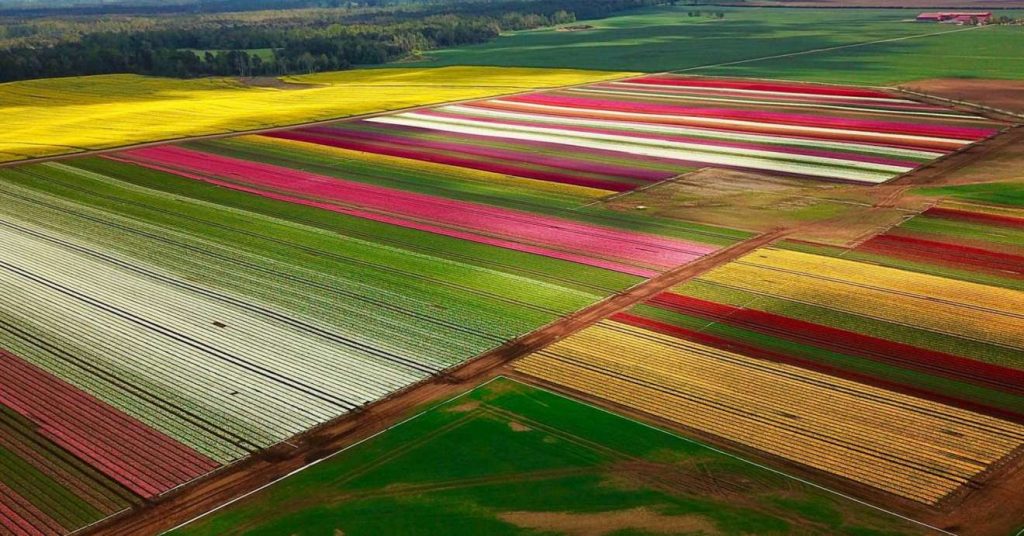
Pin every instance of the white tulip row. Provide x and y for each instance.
(814, 166)
(255, 380)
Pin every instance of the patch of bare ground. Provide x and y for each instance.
(999, 159)
(415, 58)
(994, 507)
(574, 28)
(824, 212)
(602, 523)
(269, 82)
(683, 478)
(1001, 94)
(465, 407)
(518, 427)
(737, 199)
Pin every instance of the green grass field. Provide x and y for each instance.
(666, 38)
(995, 193)
(507, 458)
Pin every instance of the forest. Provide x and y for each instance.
(268, 42)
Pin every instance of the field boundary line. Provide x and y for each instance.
(823, 49)
(426, 410)
(729, 454)
(970, 104)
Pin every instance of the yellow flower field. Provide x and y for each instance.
(971, 310)
(66, 115)
(911, 447)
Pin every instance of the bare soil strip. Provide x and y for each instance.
(271, 464)
(936, 171)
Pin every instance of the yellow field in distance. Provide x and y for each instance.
(57, 116)
(911, 447)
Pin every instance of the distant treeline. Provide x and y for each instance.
(57, 8)
(301, 40)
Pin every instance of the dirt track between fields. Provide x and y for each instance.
(975, 155)
(271, 464)
(1000, 94)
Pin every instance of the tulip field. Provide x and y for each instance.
(69, 459)
(169, 310)
(907, 446)
(214, 299)
(839, 360)
(285, 312)
(951, 340)
(962, 241)
(622, 134)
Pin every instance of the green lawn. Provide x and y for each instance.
(988, 52)
(996, 193)
(507, 458)
(665, 38)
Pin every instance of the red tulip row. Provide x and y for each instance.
(846, 342)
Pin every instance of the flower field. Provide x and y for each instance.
(69, 459)
(971, 311)
(908, 446)
(626, 252)
(622, 134)
(213, 299)
(828, 360)
(198, 302)
(962, 241)
(69, 115)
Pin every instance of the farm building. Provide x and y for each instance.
(979, 17)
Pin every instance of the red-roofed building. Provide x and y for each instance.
(977, 17)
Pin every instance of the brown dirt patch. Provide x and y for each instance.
(736, 199)
(518, 427)
(601, 523)
(761, 203)
(270, 82)
(688, 477)
(997, 160)
(574, 28)
(465, 407)
(1002, 94)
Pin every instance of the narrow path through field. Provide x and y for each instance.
(270, 465)
(825, 49)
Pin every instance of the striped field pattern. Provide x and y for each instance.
(619, 135)
(908, 446)
(965, 241)
(198, 303)
(951, 307)
(626, 252)
(69, 459)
